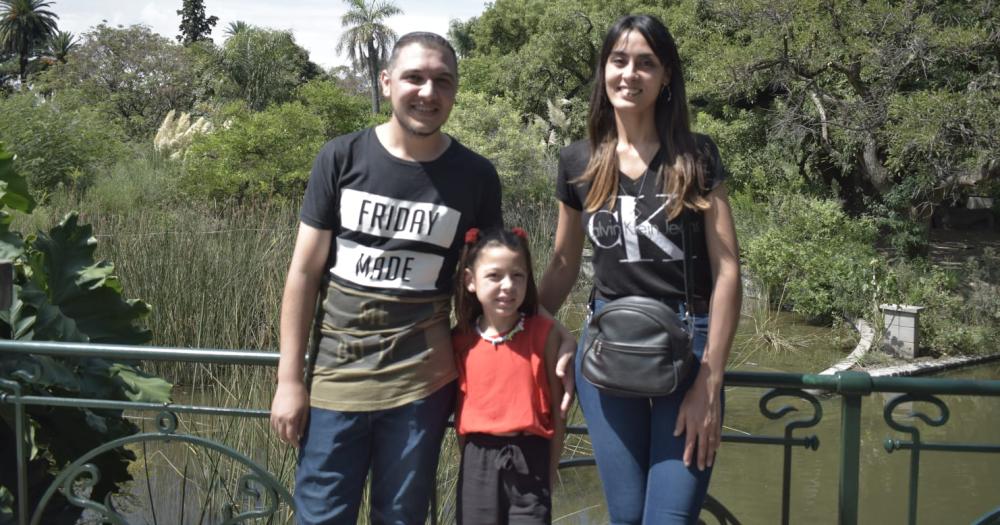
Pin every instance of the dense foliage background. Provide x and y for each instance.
(847, 127)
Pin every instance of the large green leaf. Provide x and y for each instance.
(75, 298)
(20, 320)
(62, 294)
(13, 194)
(13, 186)
(140, 386)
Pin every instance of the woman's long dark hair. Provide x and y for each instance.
(683, 168)
(467, 307)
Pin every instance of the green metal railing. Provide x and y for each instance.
(269, 495)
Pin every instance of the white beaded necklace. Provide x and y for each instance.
(501, 338)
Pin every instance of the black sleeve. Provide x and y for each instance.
(320, 203)
(572, 160)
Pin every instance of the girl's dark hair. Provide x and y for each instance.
(682, 170)
(467, 307)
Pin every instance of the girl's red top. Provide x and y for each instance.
(504, 388)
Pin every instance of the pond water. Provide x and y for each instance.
(954, 487)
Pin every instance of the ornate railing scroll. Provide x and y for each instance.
(258, 496)
(916, 445)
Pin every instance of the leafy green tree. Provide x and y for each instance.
(880, 103)
(537, 52)
(460, 36)
(135, 74)
(264, 66)
(25, 25)
(367, 39)
(60, 45)
(194, 25)
(62, 293)
(494, 128)
(58, 143)
(235, 28)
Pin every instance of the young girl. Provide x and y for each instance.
(508, 419)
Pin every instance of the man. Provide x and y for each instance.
(381, 227)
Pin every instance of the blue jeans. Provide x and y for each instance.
(400, 446)
(639, 460)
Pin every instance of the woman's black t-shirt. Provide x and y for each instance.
(637, 251)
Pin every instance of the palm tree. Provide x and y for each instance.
(368, 39)
(24, 26)
(235, 28)
(61, 44)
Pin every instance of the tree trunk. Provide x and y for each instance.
(873, 166)
(22, 69)
(373, 77)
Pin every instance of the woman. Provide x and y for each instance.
(630, 187)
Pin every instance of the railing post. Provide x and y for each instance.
(6, 300)
(851, 385)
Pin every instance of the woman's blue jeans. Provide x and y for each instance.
(639, 460)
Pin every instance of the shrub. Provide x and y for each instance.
(340, 111)
(56, 145)
(815, 257)
(961, 315)
(145, 180)
(261, 154)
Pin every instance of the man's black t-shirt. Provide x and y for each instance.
(398, 225)
(637, 251)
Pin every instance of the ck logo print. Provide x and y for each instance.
(611, 228)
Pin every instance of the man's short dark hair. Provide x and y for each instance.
(426, 39)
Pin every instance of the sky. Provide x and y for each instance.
(315, 23)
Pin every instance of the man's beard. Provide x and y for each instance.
(406, 127)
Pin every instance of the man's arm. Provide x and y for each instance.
(290, 406)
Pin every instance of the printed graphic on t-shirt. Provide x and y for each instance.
(629, 220)
(397, 218)
(398, 269)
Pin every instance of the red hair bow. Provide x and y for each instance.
(517, 230)
(472, 236)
